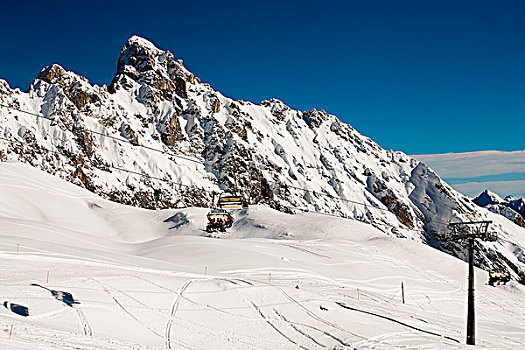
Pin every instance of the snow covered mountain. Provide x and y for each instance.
(158, 137)
(512, 208)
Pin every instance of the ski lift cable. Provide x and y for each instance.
(193, 160)
(213, 191)
(332, 197)
(202, 162)
(106, 135)
(54, 120)
(197, 161)
(122, 169)
(158, 178)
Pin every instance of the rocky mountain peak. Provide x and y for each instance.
(138, 41)
(56, 74)
(141, 64)
(138, 53)
(56, 83)
(511, 207)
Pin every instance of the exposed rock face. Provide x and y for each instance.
(141, 62)
(159, 138)
(128, 133)
(54, 74)
(76, 88)
(381, 191)
(215, 105)
(171, 131)
(80, 96)
(315, 118)
(518, 204)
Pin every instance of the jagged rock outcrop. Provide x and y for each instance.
(158, 138)
(158, 71)
(170, 130)
(315, 118)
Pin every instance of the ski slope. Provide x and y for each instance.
(145, 279)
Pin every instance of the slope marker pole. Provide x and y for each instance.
(402, 292)
(357, 294)
(17, 248)
(47, 279)
(11, 332)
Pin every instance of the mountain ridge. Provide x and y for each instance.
(156, 112)
(513, 208)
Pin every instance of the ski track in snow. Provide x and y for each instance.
(173, 311)
(308, 312)
(35, 337)
(302, 249)
(294, 326)
(269, 322)
(86, 329)
(111, 294)
(317, 318)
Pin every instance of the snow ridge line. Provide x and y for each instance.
(396, 321)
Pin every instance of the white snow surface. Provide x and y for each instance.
(151, 279)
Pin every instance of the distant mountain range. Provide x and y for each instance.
(158, 137)
(512, 208)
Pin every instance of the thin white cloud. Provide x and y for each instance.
(472, 164)
(473, 172)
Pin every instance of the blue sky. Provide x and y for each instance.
(417, 76)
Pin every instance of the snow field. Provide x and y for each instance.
(153, 280)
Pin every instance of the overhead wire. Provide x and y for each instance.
(195, 161)
(281, 185)
(331, 196)
(115, 139)
(108, 136)
(327, 195)
(119, 140)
